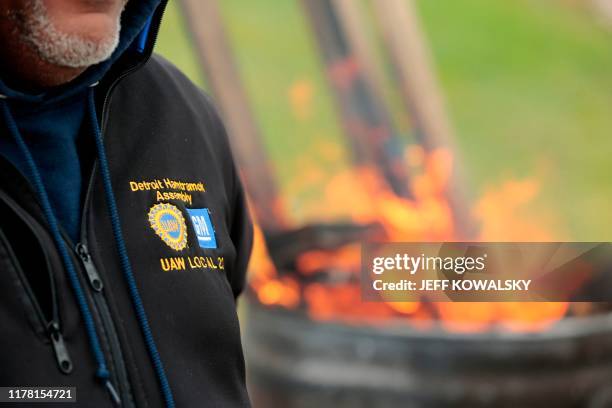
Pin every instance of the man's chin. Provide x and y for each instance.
(79, 8)
(57, 43)
(70, 38)
(72, 33)
(92, 27)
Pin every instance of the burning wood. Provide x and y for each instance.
(315, 268)
(286, 247)
(325, 281)
(217, 60)
(369, 128)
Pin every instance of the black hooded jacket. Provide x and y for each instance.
(185, 226)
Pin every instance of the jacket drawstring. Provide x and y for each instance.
(126, 267)
(35, 178)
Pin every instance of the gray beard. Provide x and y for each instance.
(59, 48)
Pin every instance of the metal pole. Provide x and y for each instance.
(406, 44)
(216, 58)
(371, 134)
(351, 17)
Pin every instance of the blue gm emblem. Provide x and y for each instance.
(169, 224)
(202, 224)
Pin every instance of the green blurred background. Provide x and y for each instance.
(528, 86)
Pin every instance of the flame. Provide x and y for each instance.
(361, 195)
(498, 210)
(270, 288)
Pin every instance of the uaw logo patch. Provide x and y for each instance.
(169, 224)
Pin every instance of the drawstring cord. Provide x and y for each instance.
(35, 178)
(123, 255)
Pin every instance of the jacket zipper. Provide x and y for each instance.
(100, 304)
(82, 249)
(123, 395)
(92, 273)
(51, 327)
(154, 31)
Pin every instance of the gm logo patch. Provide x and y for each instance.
(169, 224)
(202, 224)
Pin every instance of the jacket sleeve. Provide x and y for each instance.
(238, 220)
(242, 237)
(241, 227)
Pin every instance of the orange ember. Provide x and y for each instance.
(426, 217)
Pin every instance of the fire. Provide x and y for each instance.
(326, 284)
(498, 211)
(269, 287)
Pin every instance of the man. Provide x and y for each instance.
(124, 235)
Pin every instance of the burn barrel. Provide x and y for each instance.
(295, 362)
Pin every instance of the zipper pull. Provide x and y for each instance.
(59, 347)
(92, 273)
